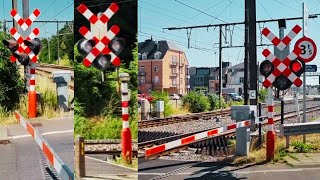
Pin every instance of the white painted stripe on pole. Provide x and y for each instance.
(125, 124)
(32, 88)
(271, 57)
(291, 34)
(292, 77)
(270, 114)
(124, 87)
(270, 127)
(125, 98)
(125, 110)
(110, 35)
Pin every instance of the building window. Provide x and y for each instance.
(156, 68)
(142, 80)
(241, 79)
(173, 60)
(157, 55)
(156, 80)
(144, 55)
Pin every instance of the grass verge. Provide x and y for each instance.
(258, 155)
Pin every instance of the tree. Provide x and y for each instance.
(10, 83)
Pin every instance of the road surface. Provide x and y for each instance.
(23, 158)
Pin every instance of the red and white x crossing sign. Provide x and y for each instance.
(281, 67)
(101, 46)
(25, 24)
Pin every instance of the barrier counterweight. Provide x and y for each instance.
(125, 133)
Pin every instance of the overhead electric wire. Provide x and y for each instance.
(264, 9)
(287, 6)
(223, 10)
(201, 12)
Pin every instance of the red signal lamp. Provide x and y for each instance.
(296, 66)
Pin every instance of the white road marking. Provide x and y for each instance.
(47, 133)
(99, 160)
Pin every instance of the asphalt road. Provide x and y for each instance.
(21, 158)
(179, 170)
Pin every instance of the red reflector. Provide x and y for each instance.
(296, 66)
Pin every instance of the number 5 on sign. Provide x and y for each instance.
(308, 49)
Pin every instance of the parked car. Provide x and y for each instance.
(174, 96)
(233, 97)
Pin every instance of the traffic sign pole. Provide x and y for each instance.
(304, 27)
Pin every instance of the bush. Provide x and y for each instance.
(263, 94)
(162, 96)
(214, 102)
(10, 83)
(196, 102)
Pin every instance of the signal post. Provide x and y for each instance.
(101, 49)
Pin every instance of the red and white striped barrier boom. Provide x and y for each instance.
(195, 137)
(62, 169)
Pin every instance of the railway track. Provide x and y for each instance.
(47, 69)
(194, 116)
(215, 145)
(107, 147)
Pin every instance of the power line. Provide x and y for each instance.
(224, 9)
(169, 10)
(49, 7)
(287, 6)
(201, 12)
(264, 9)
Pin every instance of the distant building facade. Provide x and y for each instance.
(163, 66)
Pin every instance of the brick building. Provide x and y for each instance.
(163, 66)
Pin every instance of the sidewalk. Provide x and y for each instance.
(303, 160)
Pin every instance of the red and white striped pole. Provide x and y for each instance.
(125, 133)
(32, 91)
(270, 134)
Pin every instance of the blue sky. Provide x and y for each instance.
(153, 16)
(50, 10)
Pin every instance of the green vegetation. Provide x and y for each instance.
(10, 83)
(263, 95)
(162, 96)
(98, 104)
(196, 102)
(65, 47)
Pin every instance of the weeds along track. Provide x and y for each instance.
(47, 69)
(215, 145)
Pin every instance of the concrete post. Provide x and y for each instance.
(144, 110)
(242, 141)
(160, 109)
(80, 168)
(61, 78)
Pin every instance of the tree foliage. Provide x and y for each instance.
(10, 84)
(196, 102)
(65, 45)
